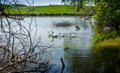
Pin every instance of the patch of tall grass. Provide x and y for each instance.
(108, 46)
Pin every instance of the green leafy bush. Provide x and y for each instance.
(99, 37)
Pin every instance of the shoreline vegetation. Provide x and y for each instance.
(109, 43)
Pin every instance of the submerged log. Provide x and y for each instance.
(63, 24)
(63, 65)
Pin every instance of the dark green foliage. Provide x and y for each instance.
(99, 37)
(3, 7)
(108, 13)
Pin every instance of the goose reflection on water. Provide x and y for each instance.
(61, 34)
(73, 35)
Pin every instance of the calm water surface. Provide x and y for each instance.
(76, 51)
(74, 48)
(78, 55)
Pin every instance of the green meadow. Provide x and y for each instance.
(51, 9)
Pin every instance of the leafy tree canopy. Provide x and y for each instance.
(107, 12)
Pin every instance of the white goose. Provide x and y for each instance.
(50, 33)
(54, 35)
(73, 35)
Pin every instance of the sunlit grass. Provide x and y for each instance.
(110, 46)
(110, 43)
(55, 9)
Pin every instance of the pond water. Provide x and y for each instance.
(72, 43)
(74, 47)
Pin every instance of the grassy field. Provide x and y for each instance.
(56, 9)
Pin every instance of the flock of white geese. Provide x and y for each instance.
(53, 35)
(71, 34)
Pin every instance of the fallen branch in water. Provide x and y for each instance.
(63, 65)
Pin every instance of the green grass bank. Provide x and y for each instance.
(48, 10)
(110, 43)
